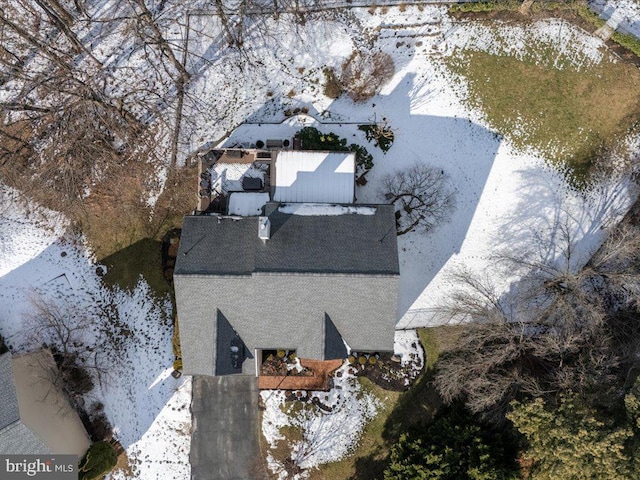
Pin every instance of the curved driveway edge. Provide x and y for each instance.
(226, 429)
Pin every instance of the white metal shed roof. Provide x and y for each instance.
(315, 177)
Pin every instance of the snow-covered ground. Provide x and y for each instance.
(330, 432)
(506, 198)
(148, 408)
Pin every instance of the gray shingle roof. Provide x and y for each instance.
(17, 439)
(339, 244)
(15, 436)
(317, 281)
(9, 411)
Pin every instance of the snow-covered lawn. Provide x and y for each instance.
(328, 433)
(331, 431)
(506, 197)
(148, 409)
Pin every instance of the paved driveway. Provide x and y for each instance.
(224, 443)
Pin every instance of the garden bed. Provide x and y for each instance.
(387, 371)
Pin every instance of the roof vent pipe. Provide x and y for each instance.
(264, 228)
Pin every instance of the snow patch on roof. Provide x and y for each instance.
(247, 204)
(324, 209)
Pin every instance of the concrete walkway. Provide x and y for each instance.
(224, 442)
(611, 26)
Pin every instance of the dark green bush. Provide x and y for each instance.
(364, 159)
(313, 139)
(380, 134)
(99, 459)
(454, 447)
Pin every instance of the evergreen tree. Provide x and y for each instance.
(454, 447)
(571, 442)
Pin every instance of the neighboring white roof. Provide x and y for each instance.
(247, 204)
(316, 177)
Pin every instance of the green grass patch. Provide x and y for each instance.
(576, 7)
(432, 348)
(141, 258)
(416, 407)
(568, 114)
(589, 16)
(399, 412)
(627, 41)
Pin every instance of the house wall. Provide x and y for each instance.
(284, 311)
(45, 409)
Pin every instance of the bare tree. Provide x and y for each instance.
(567, 326)
(154, 37)
(422, 197)
(71, 123)
(76, 340)
(512, 347)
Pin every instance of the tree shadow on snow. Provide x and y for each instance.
(463, 150)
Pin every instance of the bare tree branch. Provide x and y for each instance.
(421, 195)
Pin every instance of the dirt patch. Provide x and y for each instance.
(170, 246)
(123, 466)
(303, 375)
(117, 210)
(533, 14)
